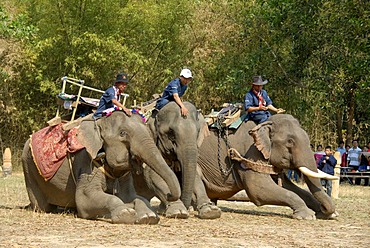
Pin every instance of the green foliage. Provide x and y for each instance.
(17, 28)
(315, 55)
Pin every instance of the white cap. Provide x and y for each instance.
(186, 73)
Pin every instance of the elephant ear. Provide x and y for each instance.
(204, 131)
(89, 136)
(151, 123)
(261, 135)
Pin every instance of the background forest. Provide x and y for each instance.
(315, 54)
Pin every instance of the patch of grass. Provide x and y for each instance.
(13, 191)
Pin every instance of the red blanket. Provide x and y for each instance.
(49, 148)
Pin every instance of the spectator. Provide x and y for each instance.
(353, 158)
(341, 148)
(318, 154)
(174, 90)
(364, 163)
(292, 174)
(257, 102)
(327, 164)
(344, 163)
(344, 157)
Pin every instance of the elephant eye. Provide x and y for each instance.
(122, 133)
(290, 142)
(171, 135)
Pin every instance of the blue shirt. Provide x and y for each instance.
(251, 100)
(328, 166)
(106, 100)
(341, 150)
(173, 87)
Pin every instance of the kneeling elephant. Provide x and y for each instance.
(94, 191)
(280, 142)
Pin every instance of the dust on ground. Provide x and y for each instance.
(242, 224)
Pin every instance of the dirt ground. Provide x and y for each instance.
(241, 225)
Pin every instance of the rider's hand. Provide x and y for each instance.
(262, 108)
(184, 111)
(127, 111)
(280, 110)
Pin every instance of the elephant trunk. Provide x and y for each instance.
(188, 156)
(149, 154)
(326, 204)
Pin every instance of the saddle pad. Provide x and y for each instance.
(49, 148)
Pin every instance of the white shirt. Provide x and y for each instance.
(353, 155)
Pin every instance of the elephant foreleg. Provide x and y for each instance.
(206, 208)
(127, 193)
(170, 209)
(262, 190)
(92, 201)
(307, 197)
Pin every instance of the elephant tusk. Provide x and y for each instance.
(319, 174)
(328, 176)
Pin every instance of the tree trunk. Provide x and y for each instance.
(351, 114)
(339, 114)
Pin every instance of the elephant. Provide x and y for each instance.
(105, 191)
(178, 138)
(279, 142)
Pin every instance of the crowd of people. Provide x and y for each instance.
(353, 159)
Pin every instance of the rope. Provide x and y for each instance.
(70, 167)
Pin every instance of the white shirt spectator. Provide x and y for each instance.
(353, 155)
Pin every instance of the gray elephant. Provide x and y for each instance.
(102, 191)
(280, 142)
(178, 138)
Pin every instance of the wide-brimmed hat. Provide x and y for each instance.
(257, 80)
(121, 78)
(186, 73)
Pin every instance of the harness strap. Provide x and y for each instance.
(70, 167)
(257, 166)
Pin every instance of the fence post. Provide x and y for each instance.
(7, 162)
(335, 189)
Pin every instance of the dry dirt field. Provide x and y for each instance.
(241, 225)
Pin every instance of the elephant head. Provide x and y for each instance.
(178, 139)
(126, 140)
(284, 144)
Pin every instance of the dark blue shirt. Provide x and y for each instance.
(106, 100)
(328, 165)
(251, 100)
(173, 87)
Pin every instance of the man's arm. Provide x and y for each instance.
(332, 161)
(252, 109)
(277, 110)
(184, 110)
(120, 105)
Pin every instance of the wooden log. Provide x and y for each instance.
(68, 126)
(55, 121)
(230, 119)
